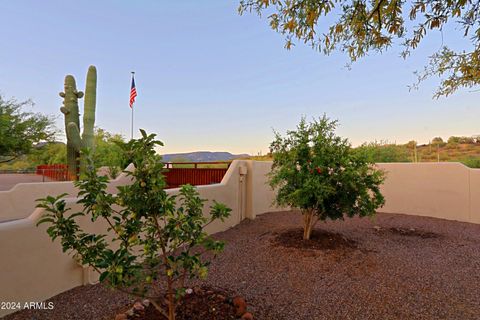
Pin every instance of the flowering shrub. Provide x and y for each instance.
(316, 171)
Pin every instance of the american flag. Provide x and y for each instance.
(133, 93)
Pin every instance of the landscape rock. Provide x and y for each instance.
(138, 307)
(121, 316)
(221, 297)
(197, 290)
(247, 316)
(240, 306)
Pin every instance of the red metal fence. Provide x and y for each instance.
(177, 174)
(58, 172)
(194, 173)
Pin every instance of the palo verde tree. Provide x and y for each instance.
(20, 129)
(358, 27)
(156, 236)
(316, 171)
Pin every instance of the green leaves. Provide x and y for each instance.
(315, 170)
(219, 211)
(156, 236)
(20, 130)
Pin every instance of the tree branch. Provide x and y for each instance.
(8, 160)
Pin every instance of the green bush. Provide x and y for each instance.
(317, 172)
(472, 162)
(156, 236)
(378, 152)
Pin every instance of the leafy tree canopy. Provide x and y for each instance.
(50, 153)
(108, 148)
(437, 141)
(358, 27)
(317, 172)
(108, 152)
(20, 129)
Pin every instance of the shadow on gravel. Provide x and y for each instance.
(410, 232)
(319, 240)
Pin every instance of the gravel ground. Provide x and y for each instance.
(392, 267)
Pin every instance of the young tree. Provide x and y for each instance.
(359, 27)
(20, 130)
(317, 172)
(156, 236)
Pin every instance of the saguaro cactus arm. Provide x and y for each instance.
(73, 134)
(89, 108)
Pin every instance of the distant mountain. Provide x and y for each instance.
(201, 156)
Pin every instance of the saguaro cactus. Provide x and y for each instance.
(75, 143)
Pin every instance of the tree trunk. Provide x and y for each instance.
(308, 223)
(171, 311)
(171, 301)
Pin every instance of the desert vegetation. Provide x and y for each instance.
(21, 129)
(316, 171)
(454, 149)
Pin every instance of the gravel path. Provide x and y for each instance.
(400, 267)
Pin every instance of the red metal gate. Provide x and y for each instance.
(194, 173)
(177, 174)
(58, 172)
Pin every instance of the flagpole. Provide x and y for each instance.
(131, 134)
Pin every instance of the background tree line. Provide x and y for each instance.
(28, 139)
(454, 149)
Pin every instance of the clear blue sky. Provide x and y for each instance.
(209, 79)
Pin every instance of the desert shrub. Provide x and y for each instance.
(113, 171)
(378, 152)
(317, 172)
(472, 162)
(453, 140)
(156, 236)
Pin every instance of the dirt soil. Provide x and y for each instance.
(202, 303)
(390, 267)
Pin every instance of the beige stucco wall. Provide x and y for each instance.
(19, 202)
(33, 267)
(441, 190)
(262, 195)
(475, 196)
